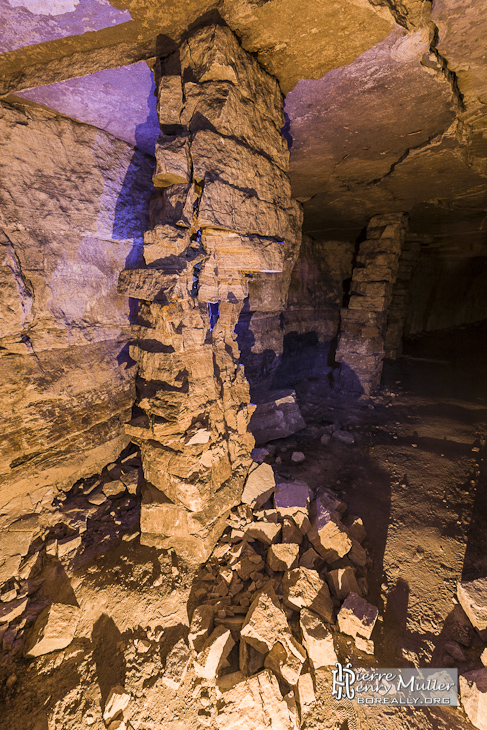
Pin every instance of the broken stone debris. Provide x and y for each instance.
(54, 629)
(256, 704)
(473, 693)
(259, 486)
(177, 663)
(472, 596)
(317, 640)
(117, 701)
(282, 556)
(357, 617)
(276, 416)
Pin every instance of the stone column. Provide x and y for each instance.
(360, 349)
(396, 316)
(223, 212)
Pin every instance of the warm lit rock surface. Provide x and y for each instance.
(69, 224)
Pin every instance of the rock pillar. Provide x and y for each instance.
(221, 213)
(396, 316)
(360, 349)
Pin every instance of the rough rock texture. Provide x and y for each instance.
(53, 630)
(233, 204)
(74, 204)
(473, 692)
(360, 349)
(256, 703)
(473, 599)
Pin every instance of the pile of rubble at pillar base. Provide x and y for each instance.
(288, 573)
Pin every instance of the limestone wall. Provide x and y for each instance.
(73, 204)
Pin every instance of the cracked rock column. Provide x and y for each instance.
(360, 349)
(222, 212)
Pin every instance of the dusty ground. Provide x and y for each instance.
(415, 474)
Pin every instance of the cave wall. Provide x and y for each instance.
(288, 327)
(446, 292)
(74, 204)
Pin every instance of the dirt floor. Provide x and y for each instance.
(416, 474)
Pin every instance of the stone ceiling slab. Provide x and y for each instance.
(120, 101)
(28, 22)
(351, 126)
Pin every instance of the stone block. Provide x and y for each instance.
(286, 659)
(303, 588)
(317, 640)
(355, 527)
(473, 693)
(172, 161)
(266, 532)
(259, 486)
(53, 630)
(290, 531)
(13, 609)
(310, 559)
(265, 622)
(306, 694)
(117, 701)
(277, 415)
(283, 556)
(342, 582)
(177, 663)
(215, 651)
(472, 596)
(290, 496)
(356, 616)
(254, 704)
(201, 626)
(327, 535)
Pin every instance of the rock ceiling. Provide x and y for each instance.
(386, 100)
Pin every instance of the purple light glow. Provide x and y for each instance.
(120, 101)
(27, 22)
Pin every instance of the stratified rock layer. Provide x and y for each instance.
(223, 213)
(73, 206)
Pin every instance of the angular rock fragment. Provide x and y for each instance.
(255, 704)
(117, 701)
(342, 582)
(303, 588)
(473, 693)
(283, 556)
(472, 596)
(259, 486)
(306, 693)
(113, 489)
(290, 497)
(177, 663)
(54, 629)
(317, 640)
(310, 559)
(266, 532)
(277, 415)
(356, 616)
(286, 659)
(327, 534)
(265, 622)
(216, 649)
(365, 645)
(172, 161)
(13, 609)
(355, 527)
(201, 626)
(290, 531)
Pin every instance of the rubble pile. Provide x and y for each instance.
(222, 213)
(288, 573)
(88, 520)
